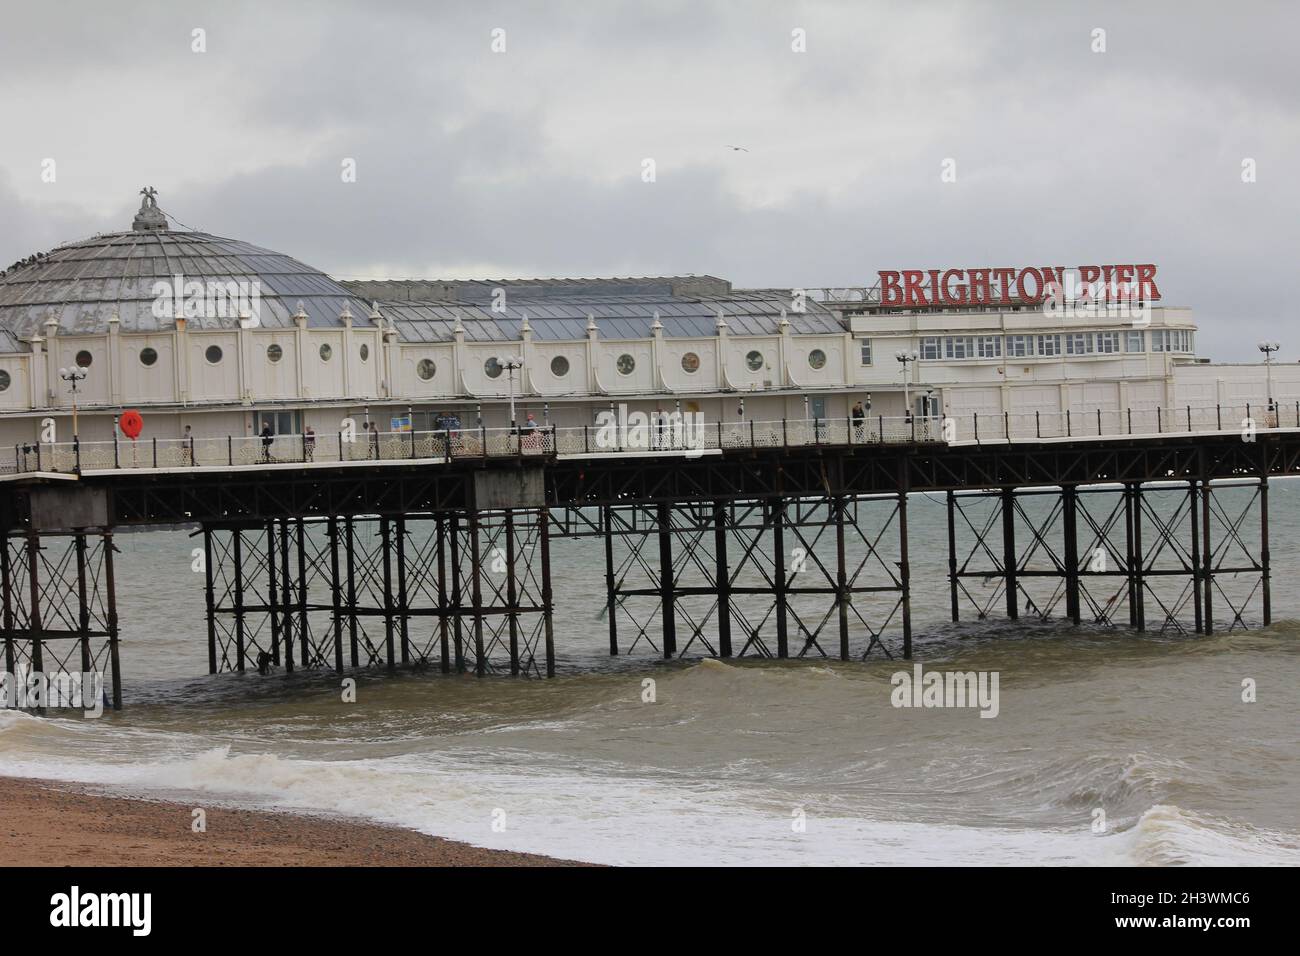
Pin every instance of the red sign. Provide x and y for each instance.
(131, 423)
(1007, 286)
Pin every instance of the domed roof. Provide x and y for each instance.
(82, 284)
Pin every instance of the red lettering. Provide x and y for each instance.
(946, 294)
(890, 293)
(981, 293)
(1146, 280)
(913, 294)
(1022, 289)
(1005, 278)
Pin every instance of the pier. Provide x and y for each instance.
(434, 549)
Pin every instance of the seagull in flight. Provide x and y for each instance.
(740, 149)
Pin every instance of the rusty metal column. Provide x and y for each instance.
(778, 580)
(1129, 555)
(457, 595)
(1193, 500)
(83, 604)
(442, 593)
(547, 605)
(403, 611)
(1207, 554)
(1139, 561)
(1070, 530)
(1266, 592)
(304, 639)
(952, 555)
(611, 588)
(667, 592)
(110, 611)
(286, 597)
(722, 577)
(349, 542)
(6, 584)
(210, 598)
(841, 577)
(272, 595)
(904, 564)
(512, 594)
(386, 543)
(476, 595)
(239, 600)
(34, 611)
(336, 591)
(1010, 563)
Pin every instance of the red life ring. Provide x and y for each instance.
(131, 423)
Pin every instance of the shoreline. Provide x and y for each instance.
(53, 823)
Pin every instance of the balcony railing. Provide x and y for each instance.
(595, 441)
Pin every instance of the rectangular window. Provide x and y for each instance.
(1135, 342)
(1191, 341)
(1020, 346)
(1107, 341)
(989, 346)
(958, 347)
(1049, 345)
(819, 407)
(1078, 343)
(866, 351)
(930, 349)
(1158, 341)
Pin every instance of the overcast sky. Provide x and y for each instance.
(472, 163)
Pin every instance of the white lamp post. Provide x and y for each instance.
(1268, 348)
(905, 358)
(72, 376)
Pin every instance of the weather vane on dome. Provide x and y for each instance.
(150, 218)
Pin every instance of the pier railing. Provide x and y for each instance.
(666, 437)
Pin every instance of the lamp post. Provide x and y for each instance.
(72, 376)
(905, 358)
(511, 365)
(1268, 348)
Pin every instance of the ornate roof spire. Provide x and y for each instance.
(150, 218)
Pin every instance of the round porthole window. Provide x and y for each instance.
(754, 360)
(213, 354)
(625, 364)
(690, 363)
(325, 352)
(274, 353)
(492, 367)
(365, 351)
(5, 380)
(426, 369)
(559, 366)
(148, 357)
(817, 358)
(84, 358)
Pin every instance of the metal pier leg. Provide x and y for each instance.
(286, 597)
(442, 594)
(304, 639)
(1266, 594)
(350, 557)
(952, 555)
(905, 574)
(667, 595)
(722, 578)
(1070, 527)
(6, 582)
(476, 595)
(272, 594)
(1129, 556)
(403, 611)
(34, 612)
(83, 604)
(1193, 498)
(386, 542)
(547, 606)
(1010, 563)
(110, 612)
(512, 594)
(611, 586)
(457, 595)
(1139, 562)
(779, 579)
(1207, 555)
(336, 592)
(239, 600)
(210, 598)
(841, 577)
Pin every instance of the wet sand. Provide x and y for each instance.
(46, 823)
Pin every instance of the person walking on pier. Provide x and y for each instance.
(308, 443)
(268, 436)
(374, 440)
(859, 415)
